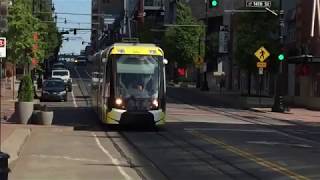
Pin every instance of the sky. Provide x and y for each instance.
(74, 45)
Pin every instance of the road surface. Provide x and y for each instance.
(201, 140)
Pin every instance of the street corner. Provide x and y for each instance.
(13, 143)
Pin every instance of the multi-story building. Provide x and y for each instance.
(303, 42)
(114, 19)
(302, 68)
(222, 65)
(104, 15)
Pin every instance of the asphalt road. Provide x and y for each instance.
(200, 141)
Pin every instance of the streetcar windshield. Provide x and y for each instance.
(138, 76)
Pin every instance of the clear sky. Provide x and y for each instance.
(74, 6)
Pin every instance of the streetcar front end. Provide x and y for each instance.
(137, 86)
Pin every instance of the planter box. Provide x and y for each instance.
(46, 117)
(24, 112)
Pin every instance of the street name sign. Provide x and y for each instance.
(262, 54)
(261, 65)
(3, 47)
(258, 4)
(223, 39)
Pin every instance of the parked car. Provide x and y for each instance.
(63, 74)
(54, 90)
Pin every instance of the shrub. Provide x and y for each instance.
(25, 93)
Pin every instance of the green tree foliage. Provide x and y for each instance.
(181, 43)
(22, 25)
(254, 30)
(25, 93)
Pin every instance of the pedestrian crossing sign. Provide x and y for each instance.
(198, 61)
(262, 54)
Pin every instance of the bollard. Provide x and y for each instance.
(4, 168)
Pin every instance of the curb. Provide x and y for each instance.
(13, 144)
(256, 110)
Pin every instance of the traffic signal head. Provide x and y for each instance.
(281, 57)
(74, 31)
(213, 3)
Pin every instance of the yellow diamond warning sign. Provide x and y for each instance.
(198, 61)
(262, 54)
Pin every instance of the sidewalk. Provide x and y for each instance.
(231, 99)
(13, 135)
(297, 115)
(7, 109)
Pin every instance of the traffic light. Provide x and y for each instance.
(75, 31)
(281, 56)
(213, 3)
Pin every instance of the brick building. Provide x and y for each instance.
(303, 48)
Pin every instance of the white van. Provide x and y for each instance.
(63, 74)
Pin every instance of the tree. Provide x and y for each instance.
(25, 93)
(254, 30)
(21, 27)
(181, 43)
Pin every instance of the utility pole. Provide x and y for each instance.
(278, 105)
(205, 86)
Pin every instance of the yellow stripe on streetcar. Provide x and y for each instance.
(137, 50)
(249, 156)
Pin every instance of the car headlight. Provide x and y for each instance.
(62, 92)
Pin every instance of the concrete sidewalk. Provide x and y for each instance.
(297, 115)
(13, 135)
(231, 100)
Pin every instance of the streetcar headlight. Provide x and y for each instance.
(119, 102)
(155, 103)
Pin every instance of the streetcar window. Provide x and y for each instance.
(138, 75)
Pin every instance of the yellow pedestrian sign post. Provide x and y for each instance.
(262, 54)
(198, 61)
(261, 65)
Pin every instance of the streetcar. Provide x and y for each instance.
(133, 88)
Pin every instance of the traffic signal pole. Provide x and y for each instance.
(205, 86)
(278, 105)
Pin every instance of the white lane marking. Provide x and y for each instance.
(65, 157)
(279, 143)
(74, 100)
(113, 160)
(232, 130)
